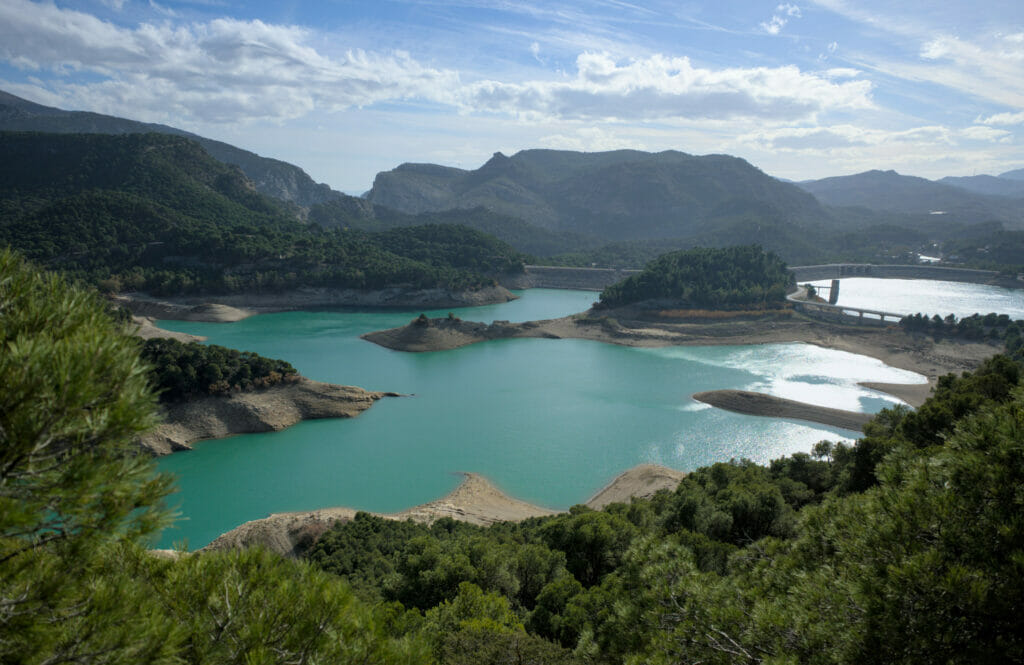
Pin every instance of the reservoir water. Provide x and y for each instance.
(910, 296)
(549, 421)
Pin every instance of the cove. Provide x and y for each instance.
(549, 421)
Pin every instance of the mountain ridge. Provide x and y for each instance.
(272, 177)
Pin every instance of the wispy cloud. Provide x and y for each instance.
(988, 65)
(663, 88)
(229, 70)
(783, 13)
(1003, 119)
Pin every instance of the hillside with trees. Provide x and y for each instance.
(270, 177)
(708, 278)
(155, 213)
(620, 195)
(902, 547)
(181, 371)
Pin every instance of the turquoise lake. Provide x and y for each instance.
(549, 421)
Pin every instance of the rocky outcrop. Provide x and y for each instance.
(266, 410)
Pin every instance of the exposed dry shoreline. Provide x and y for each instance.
(266, 410)
(228, 308)
(476, 500)
(760, 404)
(890, 345)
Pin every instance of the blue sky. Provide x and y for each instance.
(345, 88)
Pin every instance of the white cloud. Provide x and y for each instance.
(663, 88)
(225, 70)
(988, 134)
(843, 73)
(1002, 119)
(774, 26)
(228, 70)
(591, 139)
(116, 5)
(820, 140)
(780, 18)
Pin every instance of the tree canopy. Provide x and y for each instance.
(706, 278)
(78, 503)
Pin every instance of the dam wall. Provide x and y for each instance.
(582, 279)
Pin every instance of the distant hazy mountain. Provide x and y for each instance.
(620, 195)
(988, 185)
(888, 191)
(270, 176)
(1016, 174)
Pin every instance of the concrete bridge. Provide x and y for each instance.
(840, 270)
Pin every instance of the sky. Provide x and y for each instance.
(346, 88)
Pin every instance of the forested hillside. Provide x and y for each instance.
(904, 547)
(621, 195)
(156, 213)
(706, 278)
(271, 177)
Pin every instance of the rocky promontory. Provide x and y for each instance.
(265, 410)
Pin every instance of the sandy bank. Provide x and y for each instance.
(892, 346)
(476, 500)
(227, 308)
(271, 409)
(147, 329)
(642, 482)
(760, 404)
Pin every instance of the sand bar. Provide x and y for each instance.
(760, 404)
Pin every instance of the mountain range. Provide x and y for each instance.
(621, 207)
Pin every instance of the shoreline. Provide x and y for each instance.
(892, 346)
(236, 307)
(475, 500)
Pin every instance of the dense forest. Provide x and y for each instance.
(156, 213)
(706, 278)
(904, 547)
(182, 371)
